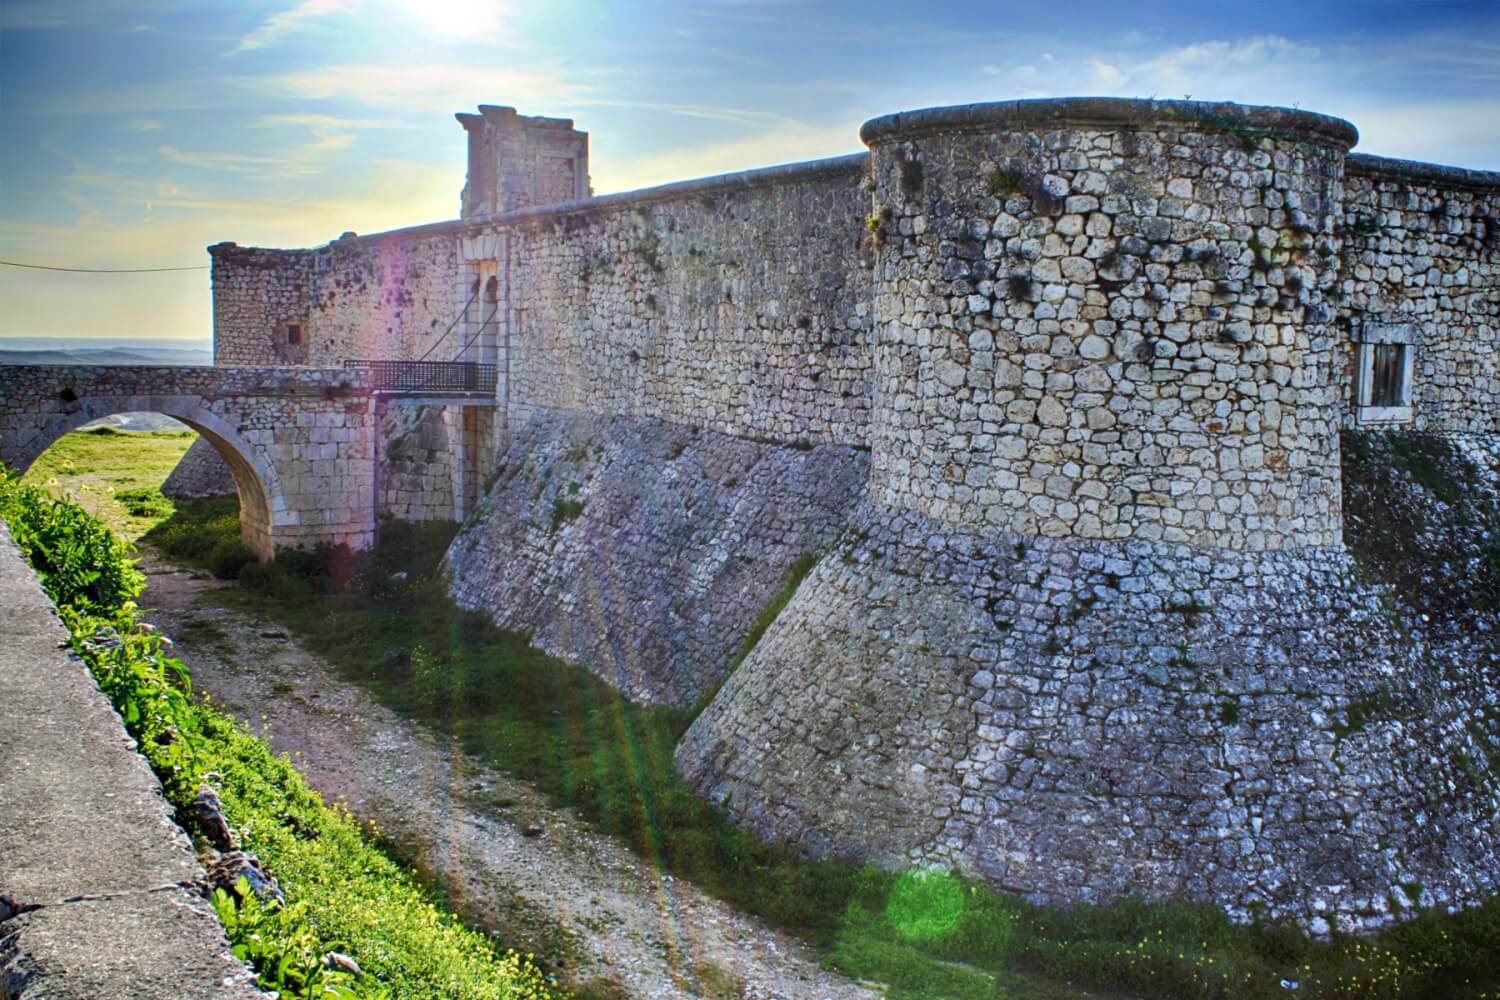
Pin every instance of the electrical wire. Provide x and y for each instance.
(103, 270)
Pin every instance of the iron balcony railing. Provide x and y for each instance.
(429, 376)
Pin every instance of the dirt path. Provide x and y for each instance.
(536, 874)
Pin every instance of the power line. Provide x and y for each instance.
(102, 270)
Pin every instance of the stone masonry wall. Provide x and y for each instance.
(417, 464)
(645, 549)
(256, 292)
(383, 297)
(1089, 628)
(297, 441)
(201, 472)
(1107, 319)
(739, 305)
(1422, 246)
(1081, 720)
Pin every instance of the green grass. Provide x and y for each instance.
(585, 746)
(114, 475)
(353, 893)
(204, 532)
(343, 893)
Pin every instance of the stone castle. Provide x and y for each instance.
(1052, 393)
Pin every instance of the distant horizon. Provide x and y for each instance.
(30, 342)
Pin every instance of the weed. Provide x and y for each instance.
(204, 532)
(911, 172)
(1190, 610)
(145, 501)
(801, 566)
(563, 511)
(1004, 181)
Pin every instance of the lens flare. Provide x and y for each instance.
(925, 903)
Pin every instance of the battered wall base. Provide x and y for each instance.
(1079, 721)
(201, 472)
(645, 550)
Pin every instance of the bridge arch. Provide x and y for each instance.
(255, 479)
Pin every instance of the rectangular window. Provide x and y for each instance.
(1388, 375)
(1383, 391)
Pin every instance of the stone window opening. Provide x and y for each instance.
(293, 334)
(1384, 359)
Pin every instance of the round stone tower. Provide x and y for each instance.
(1105, 319)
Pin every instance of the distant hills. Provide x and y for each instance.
(88, 351)
(81, 351)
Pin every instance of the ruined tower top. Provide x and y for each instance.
(516, 161)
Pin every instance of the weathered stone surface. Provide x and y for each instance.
(1422, 246)
(227, 869)
(298, 442)
(201, 472)
(1099, 352)
(643, 549)
(1082, 720)
(1149, 440)
(432, 459)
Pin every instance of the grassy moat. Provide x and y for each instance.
(925, 935)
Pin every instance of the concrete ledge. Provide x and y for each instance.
(95, 878)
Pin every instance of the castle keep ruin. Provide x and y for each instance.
(1053, 392)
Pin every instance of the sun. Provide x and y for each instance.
(457, 18)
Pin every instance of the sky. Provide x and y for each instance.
(134, 135)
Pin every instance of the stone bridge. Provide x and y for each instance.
(300, 442)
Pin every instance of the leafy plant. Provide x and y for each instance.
(345, 893)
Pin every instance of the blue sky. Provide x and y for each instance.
(134, 135)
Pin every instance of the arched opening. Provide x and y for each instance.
(255, 481)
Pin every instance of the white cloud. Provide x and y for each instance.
(479, 20)
(291, 20)
(321, 123)
(789, 143)
(1105, 76)
(438, 88)
(1440, 132)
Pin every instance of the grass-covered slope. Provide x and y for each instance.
(343, 893)
(113, 474)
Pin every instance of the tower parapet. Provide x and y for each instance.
(1105, 319)
(516, 161)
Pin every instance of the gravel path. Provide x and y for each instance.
(546, 883)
